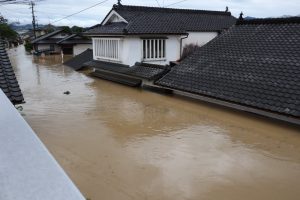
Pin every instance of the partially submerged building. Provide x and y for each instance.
(8, 82)
(76, 43)
(254, 67)
(61, 41)
(151, 37)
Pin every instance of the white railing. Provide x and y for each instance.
(154, 49)
(106, 48)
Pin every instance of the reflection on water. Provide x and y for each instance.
(116, 142)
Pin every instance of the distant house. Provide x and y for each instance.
(8, 82)
(60, 40)
(49, 42)
(131, 34)
(77, 42)
(254, 67)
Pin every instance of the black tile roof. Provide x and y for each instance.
(8, 81)
(153, 20)
(148, 71)
(77, 62)
(139, 70)
(113, 28)
(118, 78)
(255, 64)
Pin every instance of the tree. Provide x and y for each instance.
(66, 29)
(6, 31)
(76, 29)
(2, 20)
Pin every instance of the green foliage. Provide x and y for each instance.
(2, 20)
(28, 46)
(5, 31)
(49, 28)
(76, 29)
(66, 29)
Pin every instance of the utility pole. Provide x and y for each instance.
(32, 4)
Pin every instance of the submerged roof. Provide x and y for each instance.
(255, 64)
(77, 62)
(139, 70)
(154, 20)
(8, 82)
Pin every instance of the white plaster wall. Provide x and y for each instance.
(132, 51)
(79, 48)
(199, 38)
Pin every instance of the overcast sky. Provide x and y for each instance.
(48, 11)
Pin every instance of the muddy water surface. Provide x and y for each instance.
(120, 143)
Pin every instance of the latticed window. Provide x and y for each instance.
(154, 49)
(107, 48)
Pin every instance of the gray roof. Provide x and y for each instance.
(139, 70)
(113, 28)
(254, 64)
(77, 62)
(8, 81)
(46, 36)
(153, 20)
(74, 39)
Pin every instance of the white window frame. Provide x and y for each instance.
(154, 49)
(107, 49)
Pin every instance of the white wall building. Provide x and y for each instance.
(130, 34)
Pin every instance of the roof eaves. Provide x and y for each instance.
(46, 36)
(66, 38)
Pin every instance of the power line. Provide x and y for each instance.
(80, 11)
(176, 3)
(5, 2)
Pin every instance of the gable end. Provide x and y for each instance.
(113, 16)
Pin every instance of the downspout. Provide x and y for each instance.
(181, 40)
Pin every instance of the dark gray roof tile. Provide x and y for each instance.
(153, 20)
(255, 63)
(8, 81)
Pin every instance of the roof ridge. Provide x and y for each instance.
(165, 9)
(288, 20)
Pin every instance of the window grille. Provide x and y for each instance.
(154, 49)
(107, 48)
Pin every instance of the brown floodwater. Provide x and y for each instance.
(121, 143)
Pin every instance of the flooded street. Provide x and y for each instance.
(120, 143)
